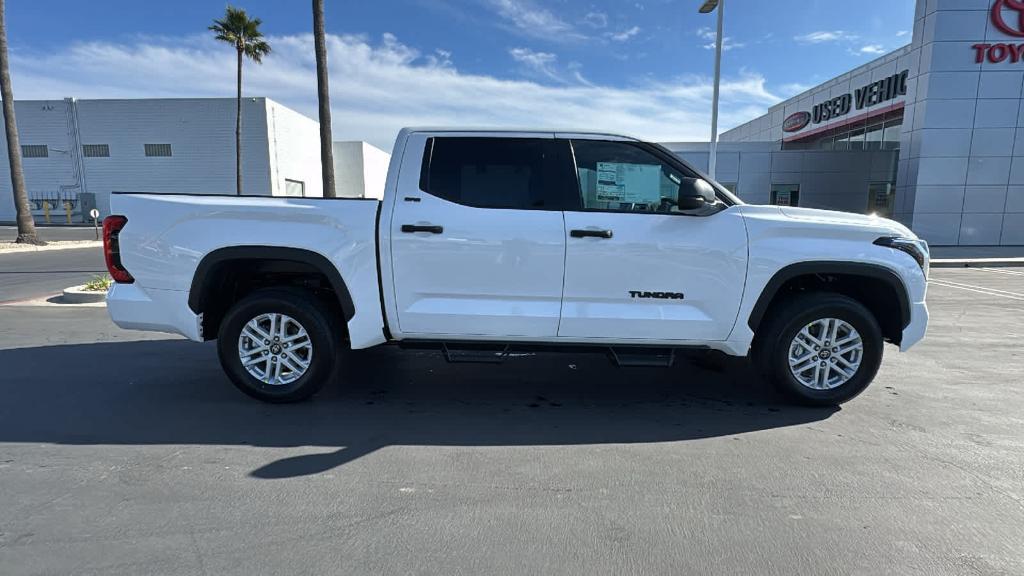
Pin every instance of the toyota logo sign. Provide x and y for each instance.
(796, 121)
(1000, 22)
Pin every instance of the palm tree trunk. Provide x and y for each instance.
(238, 129)
(26, 226)
(323, 93)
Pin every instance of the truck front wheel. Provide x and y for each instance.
(278, 344)
(820, 349)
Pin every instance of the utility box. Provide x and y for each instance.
(86, 202)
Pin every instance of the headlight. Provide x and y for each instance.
(917, 248)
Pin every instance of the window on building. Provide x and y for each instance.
(158, 149)
(489, 172)
(34, 151)
(785, 194)
(873, 137)
(881, 198)
(857, 139)
(891, 135)
(294, 188)
(730, 186)
(96, 150)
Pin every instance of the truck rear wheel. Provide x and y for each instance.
(278, 344)
(820, 349)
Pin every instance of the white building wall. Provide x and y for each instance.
(39, 122)
(294, 148)
(348, 169)
(277, 144)
(201, 133)
(359, 170)
(375, 171)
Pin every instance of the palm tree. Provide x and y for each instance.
(323, 94)
(26, 227)
(242, 32)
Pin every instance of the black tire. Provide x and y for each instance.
(787, 318)
(305, 308)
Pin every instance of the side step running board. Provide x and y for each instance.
(478, 354)
(632, 357)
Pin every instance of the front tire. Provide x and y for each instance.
(820, 349)
(278, 344)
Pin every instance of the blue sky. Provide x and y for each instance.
(636, 66)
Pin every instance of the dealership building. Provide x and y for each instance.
(931, 134)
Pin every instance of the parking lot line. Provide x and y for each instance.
(979, 289)
(1003, 271)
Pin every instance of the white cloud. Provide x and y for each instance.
(625, 34)
(710, 35)
(378, 87)
(824, 36)
(532, 20)
(902, 33)
(538, 62)
(596, 19)
(872, 49)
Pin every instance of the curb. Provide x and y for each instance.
(57, 245)
(76, 295)
(976, 262)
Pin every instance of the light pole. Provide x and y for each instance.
(708, 6)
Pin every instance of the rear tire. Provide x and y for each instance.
(279, 344)
(819, 349)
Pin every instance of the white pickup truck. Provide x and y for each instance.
(488, 241)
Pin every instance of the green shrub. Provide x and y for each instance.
(99, 283)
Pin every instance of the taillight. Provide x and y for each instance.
(112, 226)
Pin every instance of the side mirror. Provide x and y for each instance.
(694, 193)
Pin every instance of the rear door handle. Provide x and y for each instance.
(410, 228)
(590, 233)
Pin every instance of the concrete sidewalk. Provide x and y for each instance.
(974, 256)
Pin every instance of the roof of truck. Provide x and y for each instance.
(492, 130)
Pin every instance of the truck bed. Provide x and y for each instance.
(168, 235)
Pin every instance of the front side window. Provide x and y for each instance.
(489, 172)
(623, 176)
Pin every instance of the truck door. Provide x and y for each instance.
(638, 268)
(477, 238)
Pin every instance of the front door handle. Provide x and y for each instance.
(410, 228)
(590, 233)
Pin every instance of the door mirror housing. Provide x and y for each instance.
(695, 193)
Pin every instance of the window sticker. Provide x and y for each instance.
(629, 183)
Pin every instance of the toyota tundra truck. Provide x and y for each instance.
(489, 241)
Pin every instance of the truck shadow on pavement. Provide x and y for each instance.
(173, 392)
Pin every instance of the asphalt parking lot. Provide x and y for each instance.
(130, 453)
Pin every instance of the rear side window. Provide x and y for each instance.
(490, 172)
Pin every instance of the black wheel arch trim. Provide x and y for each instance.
(875, 271)
(209, 262)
